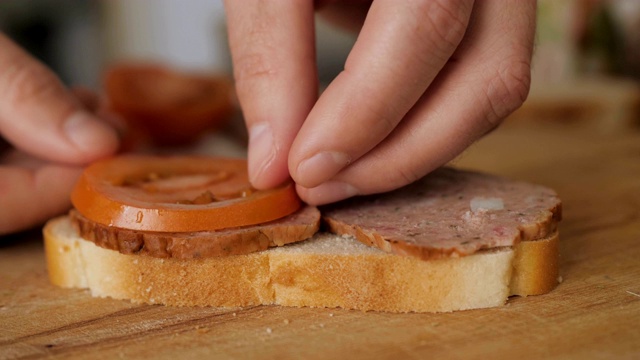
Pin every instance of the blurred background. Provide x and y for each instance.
(78, 38)
(586, 65)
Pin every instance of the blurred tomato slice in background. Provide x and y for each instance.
(166, 106)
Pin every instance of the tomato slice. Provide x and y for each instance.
(177, 194)
(170, 107)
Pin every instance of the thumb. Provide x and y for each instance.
(40, 116)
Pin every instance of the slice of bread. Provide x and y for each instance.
(325, 271)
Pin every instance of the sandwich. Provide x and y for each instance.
(191, 231)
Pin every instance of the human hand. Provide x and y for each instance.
(424, 80)
(46, 134)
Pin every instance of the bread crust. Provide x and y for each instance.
(229, 281)
(536, 267)
(325, 271)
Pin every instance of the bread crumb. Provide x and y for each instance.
(269, 331)
(560, 279)
(286, 321)
(234, 314)
(135, 261)
(331, 314)
(321, 325)
(201, 330)
(148, 289)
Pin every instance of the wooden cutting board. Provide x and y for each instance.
(593, 313)
(603, 104)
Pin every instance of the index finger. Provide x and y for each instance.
(402, 47)
(273, 51)
(40, 116)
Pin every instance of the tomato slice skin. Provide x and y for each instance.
(118, 192)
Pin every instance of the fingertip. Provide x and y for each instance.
(267, 158)
(269, 177)
(261, 154)
(318, 168)
(328, 192)
(91, 137)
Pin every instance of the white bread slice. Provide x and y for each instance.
(325, 271)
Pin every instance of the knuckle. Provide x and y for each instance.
(384, 119)
(255, 58)
(27, 82)
(508, 89)
(373, 108)
(252, 67)
(446, 19)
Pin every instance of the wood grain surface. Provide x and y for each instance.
(593, 313)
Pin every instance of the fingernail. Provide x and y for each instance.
(261, 150)
(320, 167)
(331, 191)
(89, 134)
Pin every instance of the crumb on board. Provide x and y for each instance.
(202, 330)
(560, 279)
(632, 293)
(269, 331)
(286, 321)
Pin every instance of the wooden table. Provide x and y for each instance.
(593, 313)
